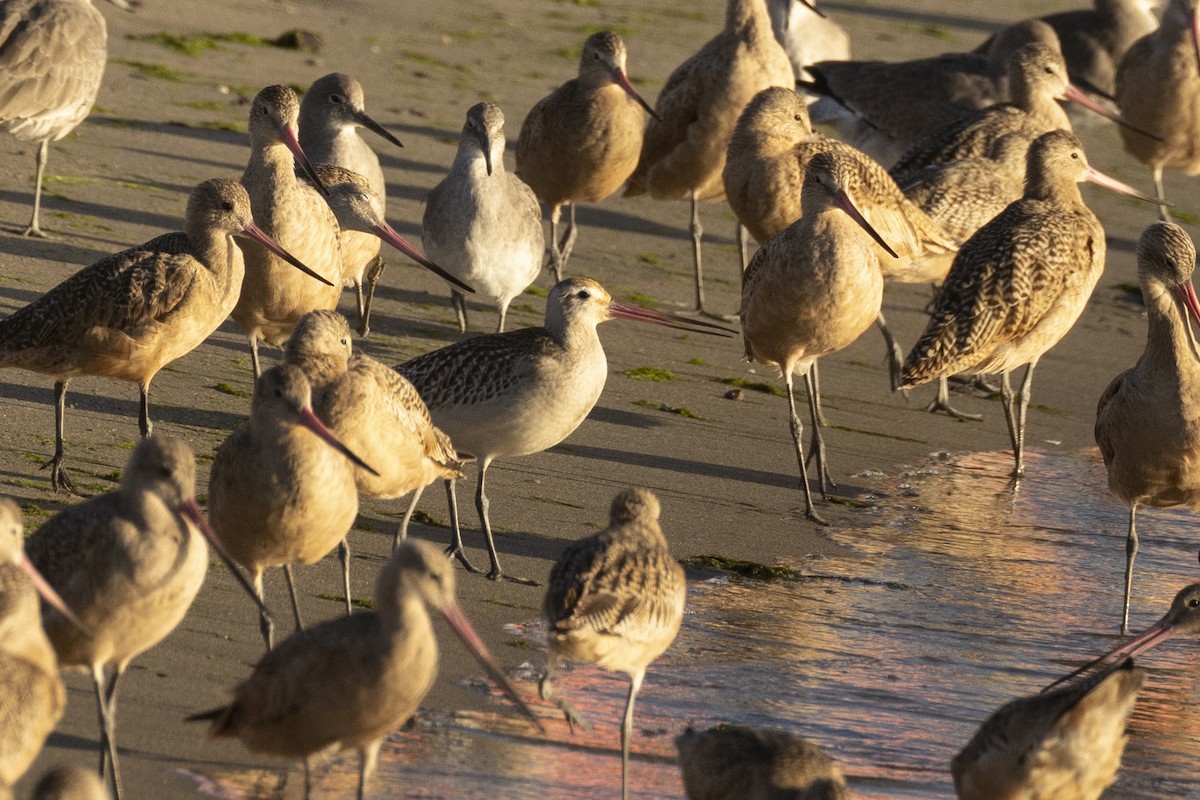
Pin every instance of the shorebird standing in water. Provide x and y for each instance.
(1018, 285)
(348, 682)
(1148, 420)
(615, 599)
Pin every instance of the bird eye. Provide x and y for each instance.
(1075, 155)
(227, 206)
(1049, 70)
(336, 98)
(345, 340)
(797, 117)
(583, 294)
(1193, 602)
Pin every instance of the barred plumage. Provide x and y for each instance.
(615, 599)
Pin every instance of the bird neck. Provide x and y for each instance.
(1059, 189)
(322, 369)
(748, 16)
(272, 163)
(1169, 337)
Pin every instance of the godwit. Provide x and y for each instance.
(1018, 285)
(581, 142)
(807, 36)
(814, 288)
(764, 171)
(128, 563)
(32, 696)
(733, 762)
(1148, 420)
(129, 314)
(1094, 40)
(615, 599)
(331, 113)
(347, 682)
(1065, 744)
(522, 392)
(282, 488)
(482, 223)
(887, 108)
(362, 222)
(292, 212)
(374, 411)
(1158, 88)
(70, 783)
(52, 56)
(1037, 78)
(683, 151)
(1182, 617)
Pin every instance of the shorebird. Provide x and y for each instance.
(361, 218)
(807, 36)
(1094, 40)
(1018, 285)
(581, 142)
(1158, 88)
(346, 683)
(615, 599)
(1182, 617)
(814, 288)
(374, 411)
(734, 762)
(769, 151)
(1148, 419)
(886, 108)
(128, 563)
(1037, 78)
(69, 783)
(129, 314)
(1065, 744)
(331, 112)
(282, 488)
(482, 223)
(683, 150)
(292, 212)
(52, 57)
(522, 392)
(32, 696)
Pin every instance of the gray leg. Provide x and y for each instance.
(567, 245)
(1159, 193)
(344, 557)
(942, 403)
(743, 239)
(456, 545)
(266, 625)
(373, 273)
(58, 473)
(697, 233)
(797, 427)
(635, 683)
(459, 301)
(39, 171)
(307, 778)
(1022, 411)
(556, 257)
(547, 693)
(814, 374)
(106, 695)
(368, 759)
(1006, 396)
(895, 356)
(818, 440)
(291, 584)
(402, 531)
(482, 505)
(254, 363)
(359, 302)
(1131, 548)
(145, 426)
(503, 313)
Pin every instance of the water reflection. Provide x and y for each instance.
(960, 594)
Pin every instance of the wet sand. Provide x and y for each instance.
(724, 469)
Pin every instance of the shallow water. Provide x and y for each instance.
(959, 595)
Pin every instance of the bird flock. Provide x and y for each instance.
(960, 171)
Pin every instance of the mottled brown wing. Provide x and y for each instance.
(969, 136)
(124, 291)
(476, 370)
